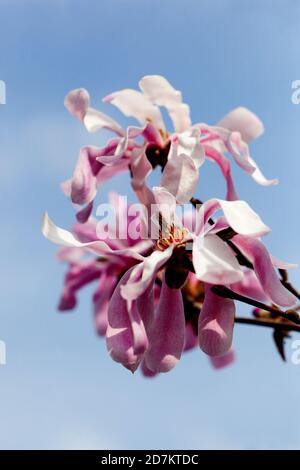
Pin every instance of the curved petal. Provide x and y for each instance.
(244, 121)
(216, 323)
(101, 300)
(250, 286)
(257, 253)
(132, 103)
(180, 175)
(225, 168)
(144, 274)
(65, 238)
(94, 120)
(161, 92)
(77, 102)
(239, 216)
(126, 337)
(214, 261)
(168, 332)
(78, 276)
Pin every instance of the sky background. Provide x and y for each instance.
(59, 389)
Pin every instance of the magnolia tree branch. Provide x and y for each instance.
(268, 323)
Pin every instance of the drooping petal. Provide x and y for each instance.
(239, 150)
(225, 168)
(101, 300)
(126, 337)
(161, 93)
(147, 372)
(132, 103)
(144, 274)
(168, 332)
(95, 120)
(84, 181)
(77, 277)
(219, 362)
(250, 286)
(216, 323)
(257, 253)
(77, 102)
(214, 261)
(191, 338)
(65, 238)
(244, 121)
(239, 216)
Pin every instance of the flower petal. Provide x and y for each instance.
(168, 332)
(244, 121)
(94, 120)
(144, 274)
(225, 168)
(180, 175)
(132, 103)
(219, 362)
(101, 301)
(257, 253)
(214, 261)
(216, 323)
(161, 92)
(126, 337)
(239, 216)
(77, 102)
(65, 238)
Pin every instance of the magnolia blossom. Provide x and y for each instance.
(180, 153)
(171, 284)
(142, 330)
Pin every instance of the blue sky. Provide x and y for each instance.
(59, 389)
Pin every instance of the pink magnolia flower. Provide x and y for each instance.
(142, 330)
(180, 154)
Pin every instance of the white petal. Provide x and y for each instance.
(132, 103)
(77, 102)
(214, 261)
(95, 120)
(161, 92)
(243, 219)
(63, 237)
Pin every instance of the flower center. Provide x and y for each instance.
(175, 235)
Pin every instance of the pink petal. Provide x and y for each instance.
(257, 253)
(77, 102)
(244, 121)
(168, 332)
(126, 336)
(78, 276)
(225, 168)
(216, 323)
(250, 286)
(147, 372)
(143, 274)
(191, 338)
(101, 300)
(219, 362)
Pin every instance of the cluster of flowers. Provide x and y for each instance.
(157, 297)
